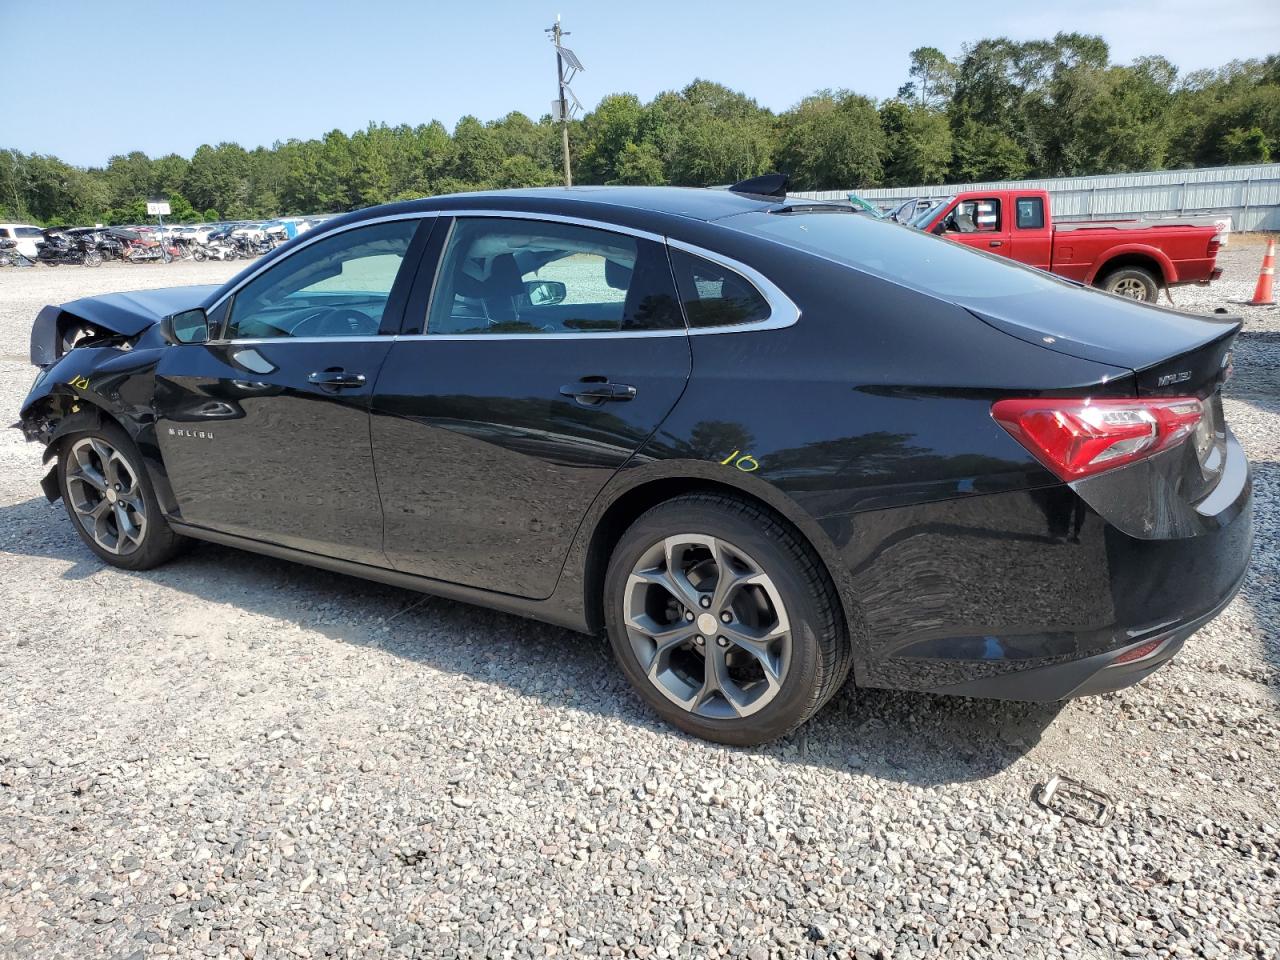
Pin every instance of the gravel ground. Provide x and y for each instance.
(237, 757)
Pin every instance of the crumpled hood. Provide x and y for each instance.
(127, 314)
(131, 313)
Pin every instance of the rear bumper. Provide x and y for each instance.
(1036, 595)
(1091, 676)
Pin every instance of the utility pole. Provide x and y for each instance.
(562, 111)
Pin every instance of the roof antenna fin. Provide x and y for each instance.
(766, 185)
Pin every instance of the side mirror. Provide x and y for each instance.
(190, 326)
(545, 293)
(941, 228)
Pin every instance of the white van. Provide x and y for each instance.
(25, 234)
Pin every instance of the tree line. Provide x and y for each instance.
(1002, 109)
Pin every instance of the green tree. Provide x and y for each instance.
(933, 78)
(639, 164)
(1246, 146)
(708, 134)
(477, 154)
(917, 141)
(607, 132)
(982, 152)
(832, 140)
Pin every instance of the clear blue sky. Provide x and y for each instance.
(85, 79)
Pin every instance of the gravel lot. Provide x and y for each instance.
(238, 757)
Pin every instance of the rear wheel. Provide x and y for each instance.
(724, 619)
(1135, 283)
(110, 500)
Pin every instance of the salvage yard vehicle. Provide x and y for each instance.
(25, 237)
(764, 444)
(61, 246)
(1131, 258)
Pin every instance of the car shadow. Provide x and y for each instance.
(907, 737)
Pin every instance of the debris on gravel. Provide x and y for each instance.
(233, 756)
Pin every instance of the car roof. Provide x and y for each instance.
(695, 203)
(626, 203)
(655, 209)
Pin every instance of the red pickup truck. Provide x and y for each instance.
(1132, 258)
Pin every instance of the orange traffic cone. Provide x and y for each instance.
(1263, 295)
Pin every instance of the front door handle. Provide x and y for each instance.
(996, 243)
(592, 392)
(336, 378)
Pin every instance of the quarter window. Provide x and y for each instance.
(715, 296)
(336, 287)
(516, 276)
(1030, 213)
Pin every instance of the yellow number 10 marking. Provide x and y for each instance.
(746, 463)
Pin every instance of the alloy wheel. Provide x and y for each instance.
(1131, 287)
(708, 626)
(106, 496)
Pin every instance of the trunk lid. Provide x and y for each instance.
(1171, 353)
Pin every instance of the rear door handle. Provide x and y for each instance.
(336, 378)
(996, 243)
(592, 392)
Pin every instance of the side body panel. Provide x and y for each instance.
(252, 448)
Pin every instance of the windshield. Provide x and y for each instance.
(921, 219)
(917, 260)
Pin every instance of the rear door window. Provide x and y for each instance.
(714, 295)
(517, 276)
(1030, 213)
(25, 232)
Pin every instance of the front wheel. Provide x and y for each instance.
(93, 259)
(1132, 282)
(110, 501)
(724, 619)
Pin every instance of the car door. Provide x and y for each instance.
(551, 351)
(1030, 239)
(264, 430)
(978, 222)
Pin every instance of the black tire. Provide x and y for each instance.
(1135, 283)
(158, 543)
(820, 654)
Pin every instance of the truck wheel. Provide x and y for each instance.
(1132, 282)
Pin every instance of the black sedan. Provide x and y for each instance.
(763, 443)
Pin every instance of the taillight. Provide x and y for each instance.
(1215, 243)
(1080, 437)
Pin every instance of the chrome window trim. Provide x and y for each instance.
(414, 215)
(260, 341)
(556, 218)
(783, 311)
